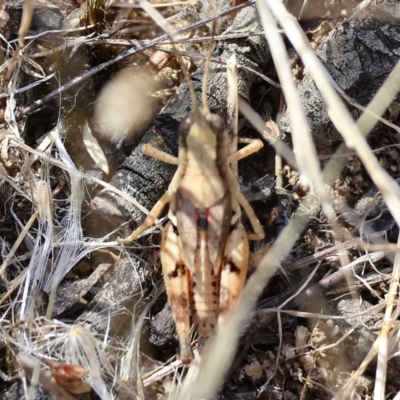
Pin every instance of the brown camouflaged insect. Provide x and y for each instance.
(204, 248)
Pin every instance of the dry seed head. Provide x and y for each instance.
(190, 12)
(125, 104)
(4, 18)
(44, 202)
(69, 376)
(213, 7)
(166, 26)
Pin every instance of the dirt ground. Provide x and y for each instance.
(84, 86)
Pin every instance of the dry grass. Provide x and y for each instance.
(42, 239)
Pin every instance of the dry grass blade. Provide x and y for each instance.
(21, 237)
(304, 148)
(56, 242)
(337, 111)
(281, 147)
(161, 372)
(391, 315)
(279, 318)
(382, 100)
(28, 8)
(374, 115)
(366, 122)
(120, 57)
(232, 122)
(346, 390)
(164, 24)
(64, 166)
(94, 149)
(44, 202)
(390, 339)
(304, 314)
(220, 350)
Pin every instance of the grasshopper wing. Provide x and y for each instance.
(178, 285)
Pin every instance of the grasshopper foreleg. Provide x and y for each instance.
(253, 146)
(150, 219)
(150, 150)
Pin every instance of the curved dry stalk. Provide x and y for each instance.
(120, 57)
(219, 351)
(337, 111)
(27, 13)
(10, 255)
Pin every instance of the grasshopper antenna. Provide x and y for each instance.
(169, 30)
(193, 97)
(207, 70)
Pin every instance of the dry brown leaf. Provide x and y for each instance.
(69, 376)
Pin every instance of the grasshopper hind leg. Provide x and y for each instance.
(178, 284)
(233, 274)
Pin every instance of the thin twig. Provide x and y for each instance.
(120, 57)
(388, 321)
(65, 167)
(27, 13)
(233, 111)
(337, 111)
(21, 237)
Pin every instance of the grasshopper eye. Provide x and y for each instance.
(184, 126)
(216, 124)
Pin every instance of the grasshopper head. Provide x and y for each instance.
(203, 135)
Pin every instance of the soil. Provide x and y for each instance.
(75, 110)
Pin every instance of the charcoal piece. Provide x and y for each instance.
(47, 19)
(359, 54)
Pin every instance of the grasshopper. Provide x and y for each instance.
(204, 247)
